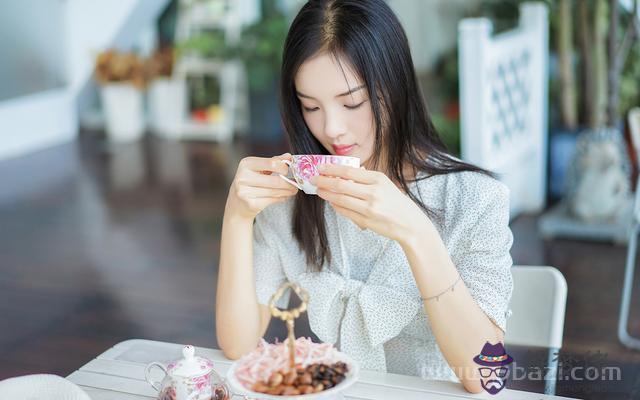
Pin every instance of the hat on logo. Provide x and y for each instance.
(493, 355)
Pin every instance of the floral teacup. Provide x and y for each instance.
(305, 166)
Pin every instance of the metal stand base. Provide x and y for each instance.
(627, 291)
(559, 223)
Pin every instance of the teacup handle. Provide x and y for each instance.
(147, 374)
(287, 179)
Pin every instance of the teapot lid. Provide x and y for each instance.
(190, 365)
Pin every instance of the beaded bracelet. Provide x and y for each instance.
(437, 296)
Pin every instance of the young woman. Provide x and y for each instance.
(407, 259)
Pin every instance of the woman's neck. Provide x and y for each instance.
(409, 173)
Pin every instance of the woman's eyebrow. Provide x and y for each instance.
(340, 95)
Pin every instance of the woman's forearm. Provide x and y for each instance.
(460, 327)
(238, 324)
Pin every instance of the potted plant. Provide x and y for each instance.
(595, 85)
(598, 181)
(260, 49)
(121, 77)
(166, 94)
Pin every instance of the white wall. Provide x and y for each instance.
(35, 107)
(32, 47)
(91, 26)
(47, 53)
(33, 122)
(96, 25)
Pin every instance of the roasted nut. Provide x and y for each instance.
(290, 377)
(306, 389)
(275, 379)
(305, 379)
(290, 391)
(311, 379)
(259, 387)
(278, 390)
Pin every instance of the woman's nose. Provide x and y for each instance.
(334, 126)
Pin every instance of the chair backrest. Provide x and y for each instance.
(503, 102)
(537, 307)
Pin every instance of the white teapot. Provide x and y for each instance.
(191, 378)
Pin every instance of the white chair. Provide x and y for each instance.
(537, 313)
(41, 387)
(627, 289)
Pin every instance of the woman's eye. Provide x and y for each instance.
(354, 107)
(312, 109)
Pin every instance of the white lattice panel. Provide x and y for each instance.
(503, 93)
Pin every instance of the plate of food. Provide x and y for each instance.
(320, 372)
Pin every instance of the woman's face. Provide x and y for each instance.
(336, 107)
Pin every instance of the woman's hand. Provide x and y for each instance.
(254, 188)
(370, 199)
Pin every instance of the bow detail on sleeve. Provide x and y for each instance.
(360, 317)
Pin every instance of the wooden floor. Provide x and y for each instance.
(99, 245)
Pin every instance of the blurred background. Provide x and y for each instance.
(122, 124)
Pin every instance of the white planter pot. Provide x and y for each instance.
(123, 106)
(167, 106)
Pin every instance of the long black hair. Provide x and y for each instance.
(367, 35)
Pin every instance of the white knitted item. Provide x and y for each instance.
(40, 387)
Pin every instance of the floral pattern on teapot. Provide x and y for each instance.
(191, 378)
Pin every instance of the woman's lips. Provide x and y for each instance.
(343, 150)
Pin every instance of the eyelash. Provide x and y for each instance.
(346, 106)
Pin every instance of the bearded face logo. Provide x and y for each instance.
(493, 361)
(493, 379)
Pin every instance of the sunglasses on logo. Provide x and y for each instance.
(499, 372)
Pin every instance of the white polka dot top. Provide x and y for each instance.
(372, 310)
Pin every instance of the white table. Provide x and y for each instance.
(118, 373)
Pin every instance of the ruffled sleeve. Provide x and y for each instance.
(481, 243)
(267, 264)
